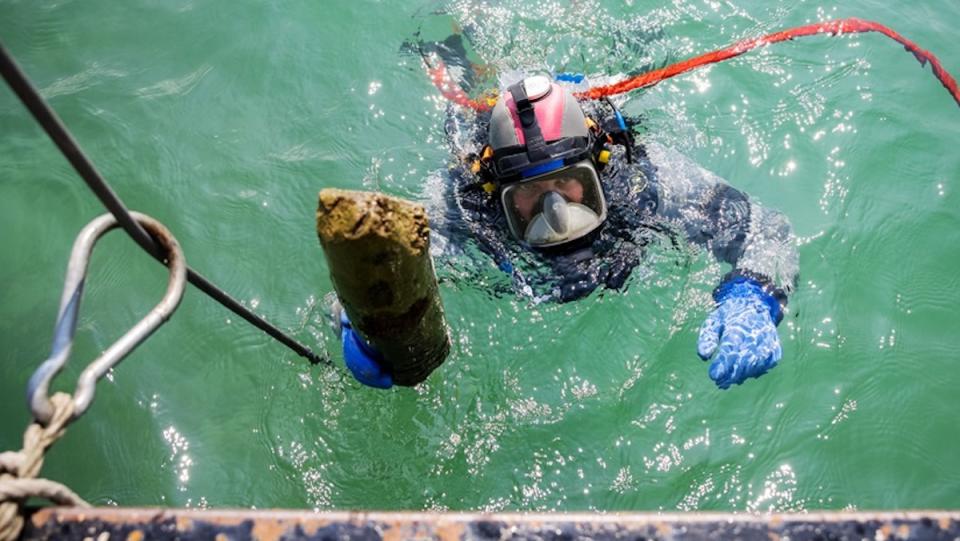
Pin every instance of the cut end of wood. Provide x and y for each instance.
(344, 215)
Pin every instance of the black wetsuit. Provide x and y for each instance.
(659, 194)
(651, 192)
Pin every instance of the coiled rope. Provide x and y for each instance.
(452, 91)
(18, 470)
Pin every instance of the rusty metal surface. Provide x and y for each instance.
(118, 524)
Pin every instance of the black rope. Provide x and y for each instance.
(48, 119)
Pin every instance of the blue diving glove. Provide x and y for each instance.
(742, 331)
(362, 360)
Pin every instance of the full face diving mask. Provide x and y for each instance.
(542, 158)
(557, 207)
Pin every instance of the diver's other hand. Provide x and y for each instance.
(362, 360)
(742, 332)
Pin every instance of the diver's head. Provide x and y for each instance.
(543, 163)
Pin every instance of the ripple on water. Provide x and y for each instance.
(96, 74)
(44, 30)
(177, 86)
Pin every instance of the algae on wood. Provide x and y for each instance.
(377, 249)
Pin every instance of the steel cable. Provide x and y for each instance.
(51, 124)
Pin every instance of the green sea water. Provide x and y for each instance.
(224, 119)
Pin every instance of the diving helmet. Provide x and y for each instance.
(543, 163)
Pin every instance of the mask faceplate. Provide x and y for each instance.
(555, 207)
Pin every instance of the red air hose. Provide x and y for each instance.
(449, 88)
(835, 28)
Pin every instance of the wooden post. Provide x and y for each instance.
(377, 249)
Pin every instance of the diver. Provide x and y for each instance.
(564, 184)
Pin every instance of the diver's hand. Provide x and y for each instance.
(362, 360)
(742, 332)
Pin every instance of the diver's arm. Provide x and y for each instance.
(740, 334)
(756, 241)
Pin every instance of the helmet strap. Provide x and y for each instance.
(533, 137)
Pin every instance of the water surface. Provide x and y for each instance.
(223, 120)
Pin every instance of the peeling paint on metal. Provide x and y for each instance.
(240, 525)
